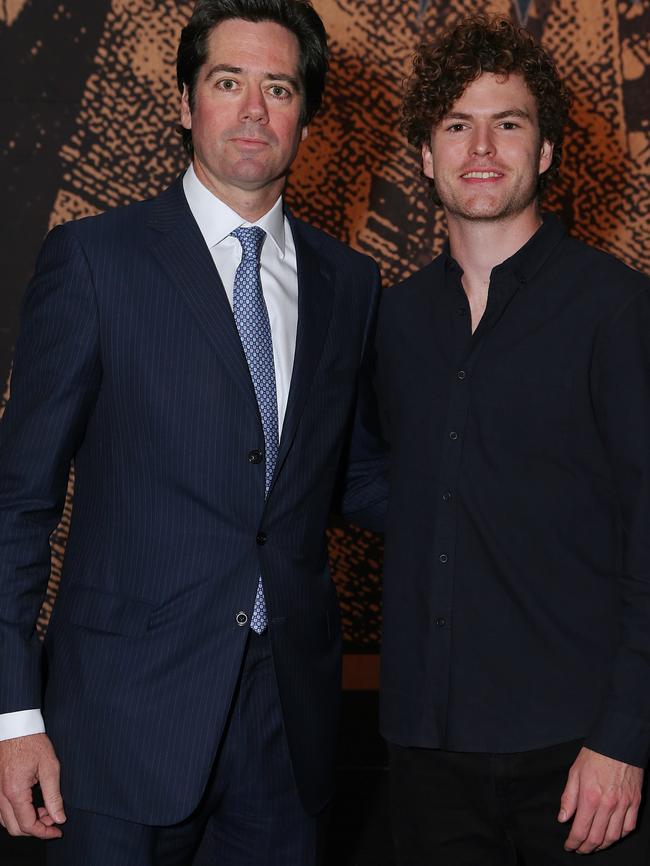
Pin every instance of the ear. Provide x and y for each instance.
(186, 112)
(427, 161)
(545, 156)
(304, 133)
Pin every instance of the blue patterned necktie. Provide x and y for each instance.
(252, 320)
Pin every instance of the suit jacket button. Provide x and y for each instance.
(255, 456)
(241, 618)
(261, 538)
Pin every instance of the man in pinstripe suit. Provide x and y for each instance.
(180, 729)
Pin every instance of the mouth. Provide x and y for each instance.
(481, 175)
(249, 143)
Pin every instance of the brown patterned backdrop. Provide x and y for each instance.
(89, 124)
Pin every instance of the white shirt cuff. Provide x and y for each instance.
(21, 724)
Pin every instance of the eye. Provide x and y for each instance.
(279, 91)
(227, 84)
(509, 124)
(456, 127)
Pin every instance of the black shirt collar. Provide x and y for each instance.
(525, 263)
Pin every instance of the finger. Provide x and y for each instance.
(614, 829)
(581, 826)
(20, 809)
(30, 824)
(9, 821)
(629, 823)
(26, 816)
(599, 825)
(569, 798)
(49, 778)
(45, 817)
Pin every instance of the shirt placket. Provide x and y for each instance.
(465, 351)
(444, 538)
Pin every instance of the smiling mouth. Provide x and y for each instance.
(480, 175)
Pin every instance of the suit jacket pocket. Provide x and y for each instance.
(102, 611)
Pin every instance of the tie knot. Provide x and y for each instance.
(251, 239)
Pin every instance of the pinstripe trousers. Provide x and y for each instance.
(250, 814)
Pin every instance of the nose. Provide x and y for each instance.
(253, 106)
(482, 141)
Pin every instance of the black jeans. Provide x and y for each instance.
(477, 809)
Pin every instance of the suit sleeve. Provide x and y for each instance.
(55, 378)
(621, 396)
(365, 489)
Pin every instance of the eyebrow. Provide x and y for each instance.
(238, 70)
(500, 115)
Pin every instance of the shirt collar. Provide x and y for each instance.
(525, 263)
(216, 220)
(528, 259)
(449, 261)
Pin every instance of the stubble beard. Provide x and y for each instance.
(516, 202)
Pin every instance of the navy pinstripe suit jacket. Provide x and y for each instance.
(129, 363)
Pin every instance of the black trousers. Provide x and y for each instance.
(477, 809)
(250, 814)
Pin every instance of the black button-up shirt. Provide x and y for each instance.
(517, 568)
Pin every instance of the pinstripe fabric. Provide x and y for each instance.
(250, 813)
(130, 363)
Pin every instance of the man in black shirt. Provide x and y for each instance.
(513, 377)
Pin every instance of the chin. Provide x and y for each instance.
(489, 211)
(477, 213)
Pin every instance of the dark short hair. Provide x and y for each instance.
(298, 16)
(481, 43)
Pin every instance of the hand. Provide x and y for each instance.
(24, 761)
(604, 794)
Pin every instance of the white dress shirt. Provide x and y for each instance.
(278, 271)
(21, 724)
(279, 277)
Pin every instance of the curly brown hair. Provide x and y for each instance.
(482, 43)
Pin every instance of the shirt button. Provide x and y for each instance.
(443, 557)
(255, 456)
(446, 496)
(461, 374)
(241, 618)
(441, 622)
(261, 538)
(453, 435)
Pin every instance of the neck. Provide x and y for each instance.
(480, 245)
(251, 204)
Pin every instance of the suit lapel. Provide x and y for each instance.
(179, 247)
(315, 301)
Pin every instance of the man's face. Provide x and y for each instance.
(245, 117)
(486, 154)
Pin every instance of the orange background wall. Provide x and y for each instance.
(90, 124)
